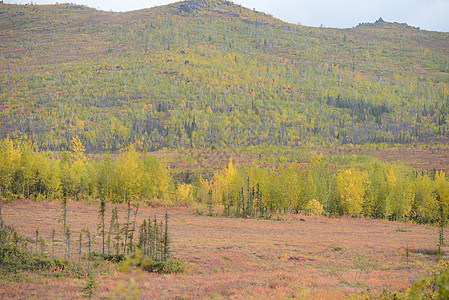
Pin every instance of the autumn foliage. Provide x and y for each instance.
(201, 74)
(372, 189)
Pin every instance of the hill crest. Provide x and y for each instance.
(380, 23)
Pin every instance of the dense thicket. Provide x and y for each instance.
(211, 73)
(366, 188)
(372, 189)
(27, 173)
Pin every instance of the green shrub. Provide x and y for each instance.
(15, 256)
(108, 257)
(150, 265)
(433, 286)
(165, 267)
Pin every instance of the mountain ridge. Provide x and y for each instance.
(192, 7)
(380, 23)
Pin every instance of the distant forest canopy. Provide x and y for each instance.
(210, 73)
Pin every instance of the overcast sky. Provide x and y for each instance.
(426, 14)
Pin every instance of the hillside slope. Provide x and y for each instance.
(206, 73)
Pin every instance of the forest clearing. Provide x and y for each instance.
(319, 258)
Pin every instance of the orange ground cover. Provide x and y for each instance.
(239, 258)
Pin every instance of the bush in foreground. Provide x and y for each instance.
(138, 259)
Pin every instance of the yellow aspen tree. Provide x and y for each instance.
(10, 155)
(351, 189)
(442, 187)
(314, 208)
(52, 180)
(442, 191)
(290, 186)
(425, 205)
(230, 188)
(391, 187)
(217, 187)
(406, 195)
(308, 189)
(77, 150)
(184, 194)
(128, 174)
(162, 180)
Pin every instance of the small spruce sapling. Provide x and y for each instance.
(143, 235)
(126, 226)
(80, 243)
(161, 241)
(37, 238)
(90, 289)
(442, 223)
(150, 233)
(67, 249)
(42, 244)
(53, 243)
(88, 235)
(166, 240)
(131, 238)
(63, 217)
(111, 228)
(210, 202)
(117, 233)
(155, 239)
(101, 226)
(15, 238)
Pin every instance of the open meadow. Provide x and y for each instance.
(235, 258)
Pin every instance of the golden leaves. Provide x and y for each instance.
(78, 150)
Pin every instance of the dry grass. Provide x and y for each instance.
(320, 258)
(420, 158)
(209, 161)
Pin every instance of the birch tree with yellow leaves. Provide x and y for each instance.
(442, 195)
(128, 174)
(351, 190)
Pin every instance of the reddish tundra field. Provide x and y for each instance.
(237, 258)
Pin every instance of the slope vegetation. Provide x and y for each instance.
(209, 73)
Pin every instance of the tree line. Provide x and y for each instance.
(371, 189)
(26, 172)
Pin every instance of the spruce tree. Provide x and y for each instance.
(1, 218)
(80, 243)
(117, 233)
(100, 226)
(111, 229)
(209, 201)
(126, 227)
(166, 240)
(89, 244)
(442, 223)
(150, 233)
(143, 235)
(63, 217)
(161, 241)
(42, 244)
(131, 238)
(67, 235)
(90, 289)
(155, 239)
(53, 243)
(37, 238)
